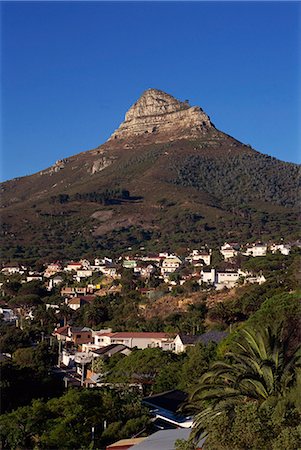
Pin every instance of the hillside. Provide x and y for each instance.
(167, 178)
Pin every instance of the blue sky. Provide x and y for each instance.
(70, 71)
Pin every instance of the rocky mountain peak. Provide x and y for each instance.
(155, 103)
(164, 117)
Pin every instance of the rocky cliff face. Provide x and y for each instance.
(159, 114)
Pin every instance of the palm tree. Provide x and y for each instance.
(259, 367)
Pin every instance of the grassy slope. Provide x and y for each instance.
(165, 210)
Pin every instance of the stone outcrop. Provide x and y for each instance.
(100, 164)
(157, 113)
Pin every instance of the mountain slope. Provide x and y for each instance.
(167, 178)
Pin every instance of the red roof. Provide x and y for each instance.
(62, 330)
(104, 333)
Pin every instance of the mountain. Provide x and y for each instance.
(166, 178)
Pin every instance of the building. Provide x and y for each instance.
(76, 302)
(229, 250)
(75, 335)
(199, 257)
(140, 340)
(257, 249)
(11, 269)
(183, 341)
(284, 249)
(73, 266)
(52, 269)
(165, 409)
(208, 276)
(227, 279)
(170, 264)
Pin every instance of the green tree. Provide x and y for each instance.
(260, 366)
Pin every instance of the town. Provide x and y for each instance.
(77, 288)
(76, 311)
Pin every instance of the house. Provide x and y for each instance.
(84, 273)
(34, 277)
(284, 249)
(229, 250)
(170, 264)
(227, 279)
(140, 340)
(11, 269)
(85, 264)
(67, 291)
(91, 377)
(154, 258)
(199, 257)
(52, 269)
(182, 341)
(53, 282)
(165, 406)
(143, 340)
(76, 302)
(257, 249)
(208, 276)
(72, 291)
(67, 358)
(103, 261)
(109, 350)
(76, 335)
(248, 277)
(109, 269)
(259, 279)
(73, 266)
(143, 271)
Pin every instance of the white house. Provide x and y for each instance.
(109, 270)
(11, 269)
(208, 276)
(257, 249)
(85, 264)
(84, 273)
(229, 250)
(226, 279)
(144, 271)
(73, 266)
(75, 303)
(34, 277)
(170, 264)
(284, 249)
(200, 256)
(140, 340)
